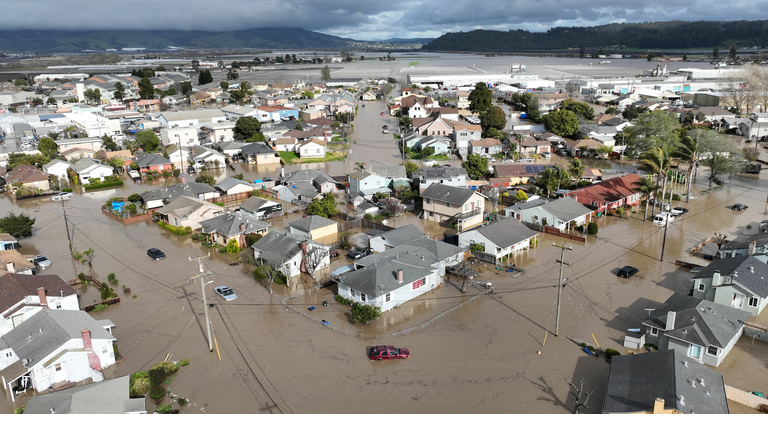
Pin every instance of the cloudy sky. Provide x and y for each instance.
(360, 19)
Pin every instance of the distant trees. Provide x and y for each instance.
(224, 85)
(581, 109)
(92, 95)
(119, 91)
(232, 75)
(716, 52)
(204, 77)
(652, 129)
(561, 122)
(186, 88)
(325, 73)
(146, 89)
(108, 143)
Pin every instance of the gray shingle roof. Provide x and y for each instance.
(256, 148)
(184, 206)
(635, 381)
(505, 232)
(447, 194)
(747, 271)
(311, 223)
(192, 190)
(528, 204)
(438, 172)
(14, 287)
(48, 330)
(277, 247)
(231, 182)
(229, 224)
(253, 204)
(145, 160)
(402, 235)
(388, 170)
(742, 241)
(308, 175)
(699, 322)
(106, 397)
(86, 163)
(381, 278)
(566, 208)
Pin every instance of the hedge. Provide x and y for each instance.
(179, 231)
(67, 190)
(103, 185)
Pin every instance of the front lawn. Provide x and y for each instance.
(292, 158)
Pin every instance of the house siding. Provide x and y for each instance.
(397, 296)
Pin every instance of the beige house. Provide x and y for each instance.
(313, 148)
(314, 227)
(462, 100)
(449, 205)
(188, 212)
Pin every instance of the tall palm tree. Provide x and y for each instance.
(563, 178)
(548, 180)
(646, 187)
(689, 152)
(656, 160)
(576, 169)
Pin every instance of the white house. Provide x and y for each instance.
(183, 136)
(233, 186)
(203, 157)
(285, 252)
(191, 118)
(501, 238)
(88, 168)
(24, 295)
(57, 167)
(365, 183)
(562, 213)
(56, 347)
(313, 148)
(391, 278)
(178, 155)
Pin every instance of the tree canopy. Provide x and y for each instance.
(246, 127)
(480, 99)
(581, 109)
(652, 129)
(146, 89)
(204, 77)
(493, 118)
(17, 225)
(561, 122)
(325, 207)
(48, 147)
(476, 166)
(147, 140)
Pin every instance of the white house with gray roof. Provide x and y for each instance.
(448, 205)
(450, 176)
(739, 282)
(393, 238)
(191, 118)
(699, 329)
(232, 186)
(56, 347)
(233, 225)
(112, 396)
(560, 213)
(391, 278)
(88, 168)
(285, 252)
(260, 208)
(501, 238)
(160, 197)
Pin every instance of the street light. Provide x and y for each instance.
(181, 156)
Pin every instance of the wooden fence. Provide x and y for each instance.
(554, 231)
(375, 225)
(744, 398)
(344, 226)
(483, 256)
(91, 307)
(226, 199)
(687, 264)
(140, 218)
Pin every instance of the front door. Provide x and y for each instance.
(737, 302)
(696, 352)
(60, 372)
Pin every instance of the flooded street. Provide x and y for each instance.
(482, 358)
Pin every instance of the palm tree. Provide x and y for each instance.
(647, 188)
(576, 169)
(688, 151)
(548, 180)
(656, 161)
(563, 178)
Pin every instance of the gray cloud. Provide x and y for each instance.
(359, 19)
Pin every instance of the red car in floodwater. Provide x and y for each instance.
(386, 352)
(382, 113)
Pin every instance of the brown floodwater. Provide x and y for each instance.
(497, 354)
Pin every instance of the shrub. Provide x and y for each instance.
(610, 352)
(82, 278)
(195, 236)
(281, 279)
(19, 410)
(162, 224)
(184, 362)
(169, 368)
(100, 307)
(67, 190)
(223, 249)
(592, 228)
(365, 313)
(134, 197)
(252, 238)
(182, 401)
(368, 217)
(111, 277)
(135, 295)
(165, 409)
(233, 246)
(157, 393)
(342, 300)
(139, 383)
(258, 274)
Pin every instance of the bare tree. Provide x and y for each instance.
(314, 258)
(493, 196)
(736, 88)
(267, 272)
(757, 79)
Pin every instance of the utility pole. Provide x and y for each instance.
(560, 282)
(66, 226)
(577, 393)
(201, 276)
(664, 242)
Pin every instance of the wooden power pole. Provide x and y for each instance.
(201, 275)
(560, 283)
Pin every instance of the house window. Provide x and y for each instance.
(696, 351)
(104, 349)
(447, 205)
(9, 354)
(387, 297)
(429, 201)
(352, 293)
(58, 367)
(362, 297)
(753, 301)
(712, 350)
(419, 283)
(700, 287)
(654, 331)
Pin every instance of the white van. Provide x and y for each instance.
(663, 218)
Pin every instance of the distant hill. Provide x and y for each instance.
(409, 41)
(656, 35)
(67, 41)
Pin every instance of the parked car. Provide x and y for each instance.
(739, 207)
(382, 113)
(61, 196)
(267, 179)
(525, 160)
(358, 253)
(191, 169)
(155, 253)
(679, 211)
(664, 218)
(225, 292)
(385, 127)
(546, 155)
(385, 131)
(627, 272)
(387, 352)
(334, 253)
(41, 262)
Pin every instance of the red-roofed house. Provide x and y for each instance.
(28, 177)
(609, 194)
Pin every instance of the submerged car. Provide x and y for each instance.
(679, 211)
(357, 253)
(156, 254)
(739, 207)
(41, 262)
(61, 196)
(225, 292)
(627, 272)
(387, 352)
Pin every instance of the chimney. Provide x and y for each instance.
(400, 276)
(93, 358)
(716, 278)
(242, 227)
(658, 406)
(670, 321)
(86, 335)
(43, 298)
(751, 249)
(10, 267)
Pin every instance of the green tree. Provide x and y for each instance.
(205, 178)
(716, 52)
(494, 118)
(48, 147)
(521, 196)
(581, 109)
(92, 95)
(232, 75)
(656, 160)
(147, 140)
(238, 95)
(365, 313)
(480, 99)
(119, 91)
(325, 207)
(233, 246)
(108, 143)
(170, 92)
(612, 111)
(17, 225)
(652, 129)
(646, 187)
(325, 73)
(37, 101)
(576, 168)
(224, 85)
(16, 159)
(476, 166)
(720, 164)
(146, 89)
(548, 180)
(186, 88)
(246, 127)
(204, 77)
(561, 122)
(21, 82)
(257, 137)
(732, 52)
(50, 101)
(630, 113)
